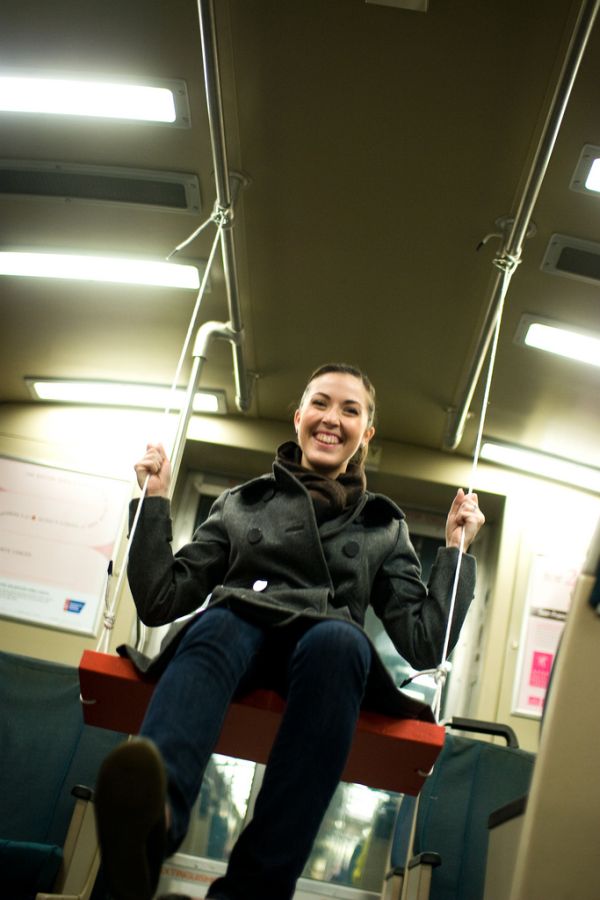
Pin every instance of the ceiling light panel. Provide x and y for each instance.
(543, 465)
(115, 269)
(559, 338)
(150, 189)
(586, 177)
(123, 394)
(162, 102)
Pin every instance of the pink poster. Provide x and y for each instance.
(548, 598)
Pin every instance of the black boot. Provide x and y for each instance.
(130, 816)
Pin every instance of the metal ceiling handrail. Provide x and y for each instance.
(224, 207)
(231, 331)
(513, 244)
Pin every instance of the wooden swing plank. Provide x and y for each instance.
(387, 753)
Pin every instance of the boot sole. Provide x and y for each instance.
(130, 812)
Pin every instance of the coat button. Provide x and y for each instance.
(254, 535)
(351, 548)
(259, 585)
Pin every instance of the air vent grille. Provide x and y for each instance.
(572, 258)
(175, 191)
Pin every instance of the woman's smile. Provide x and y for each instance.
(324, 437)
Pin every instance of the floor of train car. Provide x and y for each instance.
(191, 876)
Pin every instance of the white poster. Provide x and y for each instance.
(57, 534)
(548, 598)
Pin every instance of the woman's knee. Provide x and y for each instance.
(338, 644)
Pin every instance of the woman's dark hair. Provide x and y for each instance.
(346, 369)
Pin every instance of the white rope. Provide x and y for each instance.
(507, 264)
(110, 605)
(189, 239)
(194, 315)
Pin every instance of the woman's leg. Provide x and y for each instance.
(327, 674)
(165, 767)
(188, 707)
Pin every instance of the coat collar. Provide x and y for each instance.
(375, 509)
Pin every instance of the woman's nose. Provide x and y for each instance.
(331, 416)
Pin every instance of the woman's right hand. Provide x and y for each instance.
(155, 466)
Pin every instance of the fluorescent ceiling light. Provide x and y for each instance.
(556, 468)
(99, 268)
(586, 177)
(560, 339)
(592, 181)
(60, 96)
(114, 393)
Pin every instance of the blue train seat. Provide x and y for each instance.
(470, 779)
(45, 751)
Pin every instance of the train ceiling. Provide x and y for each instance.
(378, 148)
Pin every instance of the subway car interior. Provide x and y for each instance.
(202, 201)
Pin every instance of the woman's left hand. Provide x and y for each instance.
(464, 514)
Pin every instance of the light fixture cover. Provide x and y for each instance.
(543, 465)
(123, 394)
(559, 338)
(159, 101)
(93, 267)
(586, 178)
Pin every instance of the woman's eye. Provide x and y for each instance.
(319, 403)
(352, 410)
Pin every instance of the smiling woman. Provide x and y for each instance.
(291, 561)
(334, 422)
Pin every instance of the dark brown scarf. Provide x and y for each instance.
(330, 496)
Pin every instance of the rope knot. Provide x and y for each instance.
(222, 216)
(507, 262)
(441, 673)
(109, 621)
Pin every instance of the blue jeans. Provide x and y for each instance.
(322, 670)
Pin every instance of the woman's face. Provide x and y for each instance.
(332, 422)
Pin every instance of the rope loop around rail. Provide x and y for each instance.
(222, 216)
(507, 262)
(109, 621)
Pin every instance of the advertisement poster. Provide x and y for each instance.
(57, 534)
(548, 597)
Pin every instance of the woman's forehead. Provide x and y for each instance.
(339, 386)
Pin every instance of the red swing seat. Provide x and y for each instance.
(387, 753)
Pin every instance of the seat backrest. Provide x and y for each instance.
(45, 748)
(470, 779)
(557, 853)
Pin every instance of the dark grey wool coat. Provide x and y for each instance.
(261, 551)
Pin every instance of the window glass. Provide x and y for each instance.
(353, 842)
(219, 812)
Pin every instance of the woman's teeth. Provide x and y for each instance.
(327, 438)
